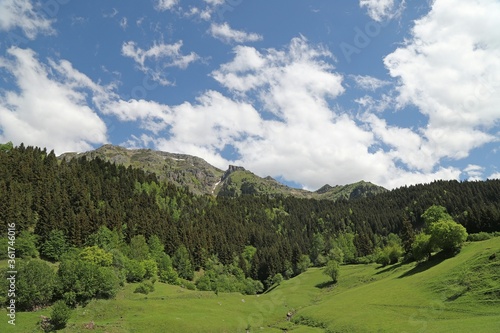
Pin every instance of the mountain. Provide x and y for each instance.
(182, 170)
(201, 177)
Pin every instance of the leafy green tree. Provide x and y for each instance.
(389, 255)
(336, 254)
(59, 315)
(26, 245)
(182, 263)
(421, 248)
(277, 279)
(252, 287)
(435, 213)
(55, 245)
(166, 272)
(35, 283)
(248, 254)
(345, 242)
(332, 269)
(105, 238)
(96, 255)
(317, 249)
(135, 270)
(151, 268)
(108, 282)
(303, 263)
(139, 249)
(156, 248)
(447, 235)
(78, 281)
(6, 147)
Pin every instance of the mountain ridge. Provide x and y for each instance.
(202, 178)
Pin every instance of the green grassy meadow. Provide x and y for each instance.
(459, 294)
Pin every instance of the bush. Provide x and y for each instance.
(151, 268)
(332, 269)
(303, 263)
(145, 288)
(481, 236)
(96, 255)
(26, 245)
(389, 255)
(60, 315)
(188, 284)
(108, 282)
(35, 284)
(135, 270)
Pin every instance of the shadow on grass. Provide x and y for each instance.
(423, 266)
(271, 288)
(326, 284)
(388, 268)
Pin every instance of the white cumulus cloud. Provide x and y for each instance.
(163, 5)
(450, 70)
(49, 110)
(381, 10)
(24, 15)
(226, 34)
(161, 56)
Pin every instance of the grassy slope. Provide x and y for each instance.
(459, 294)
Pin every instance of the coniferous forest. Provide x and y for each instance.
(76, 201)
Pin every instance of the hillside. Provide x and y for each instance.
(458, 294)
(182, 170)
(202, 178)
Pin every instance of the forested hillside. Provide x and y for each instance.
(40, 194)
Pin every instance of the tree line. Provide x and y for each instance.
(242, 243)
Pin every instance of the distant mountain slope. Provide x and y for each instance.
(182, 170)
(202, 178)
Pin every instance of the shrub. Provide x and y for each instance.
(332, 269)
(60, 315)
(479, 236)
(96, 255)
(145, 288)
(151, 268)
(108, 282)
(35, 283)
(26, 245)
(135, 270)
(389, 255)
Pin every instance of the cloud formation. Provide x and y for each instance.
(23, 15)
(163, 5)
(50, 108)
(382, 10)
(226, 34)
(450, 70)
(161, 55)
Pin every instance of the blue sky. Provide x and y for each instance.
(309, 92)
